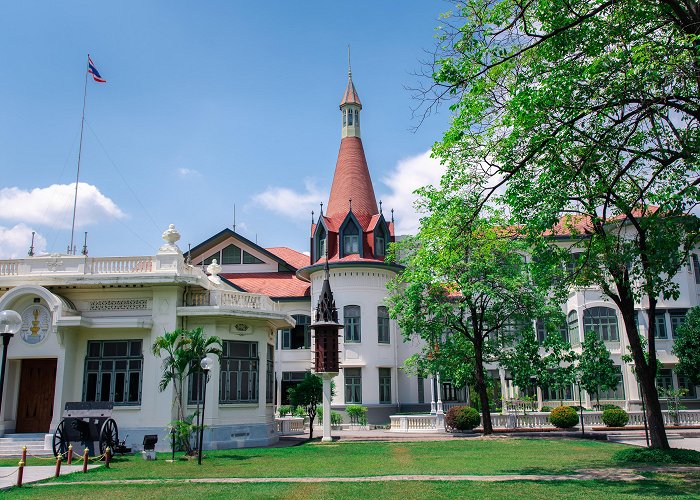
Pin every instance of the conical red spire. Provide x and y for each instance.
(351, 181)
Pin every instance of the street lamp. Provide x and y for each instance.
(10, 323)
(206, 366)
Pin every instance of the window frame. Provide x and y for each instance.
(383, 325)
(102, 360)
(384, 386)
(352, 378)
(227, 364)
(352, 331)
(595, 321)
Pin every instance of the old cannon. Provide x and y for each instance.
(86, 423)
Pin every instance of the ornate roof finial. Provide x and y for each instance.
(321, 213)
(351, 204)
(349, 67)
(380, 206)
(392, 215)
(312, 218)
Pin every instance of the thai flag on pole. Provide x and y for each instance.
(93, 71)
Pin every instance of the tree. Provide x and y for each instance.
(463, 277)
(524, 362)
(183, 350)
(596, 369)
(308, 394)
(589, 109)
(686, 346)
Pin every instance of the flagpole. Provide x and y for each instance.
(80, 151)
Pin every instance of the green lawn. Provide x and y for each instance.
(488, 456)
(464, 456)
(660, 487)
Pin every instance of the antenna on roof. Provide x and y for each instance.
(234, 217)
(31, 247)
(85, 252)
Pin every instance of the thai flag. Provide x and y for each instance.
(93, 71)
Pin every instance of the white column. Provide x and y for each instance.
(439, 396)
(432, 395)
(504, 396)
(327, 438)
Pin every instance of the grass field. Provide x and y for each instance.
(489, 456)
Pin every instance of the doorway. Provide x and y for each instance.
(37, 384)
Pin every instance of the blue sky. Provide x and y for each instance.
(207, 105)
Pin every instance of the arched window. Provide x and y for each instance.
(383, 325)
(350, 117)
(602, 321)
(572, 322)
(351, 239)
(351, 319)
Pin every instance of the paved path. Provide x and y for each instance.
(35, 473)
(626, 475)
(687, 443)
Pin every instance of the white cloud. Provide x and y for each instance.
(292, 204)
(188, 172)
(15, 242)
(53, 205)
(408, 175)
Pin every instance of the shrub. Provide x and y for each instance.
(462, 418)
(546, 408)
(336, 418)
(284, 411)
(300, 411)
(357, 414)
(563, 417)
(656, 456)
(607, 407)
(615, 417)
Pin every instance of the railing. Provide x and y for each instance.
(239, 300)
(9, 268)
(416, 423)
(519, 405)
(289, 425)
(119, 265)
(446, 405)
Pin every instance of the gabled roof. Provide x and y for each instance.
(290, 256)
(274, 285)
(227, 233)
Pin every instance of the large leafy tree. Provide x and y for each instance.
(687, 347)
(587, 108)
(596, 369)
(464, 277)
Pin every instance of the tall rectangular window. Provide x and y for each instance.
(270, 375)
(298, 337)
(351, 319)
(677, 318)
(238, 382)
(421, 390)
(379, 246)
(195, 384)
(696, 268)
(383, 334)
(602, 321)
(385, 385)
(113, 371)
(664, 380)
(353, 386)
(660, 324)
(684, 383)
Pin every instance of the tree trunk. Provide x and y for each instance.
(646, 376)
(481, 384)
(311, 424)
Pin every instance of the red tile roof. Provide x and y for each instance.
(275, 285)
(290, 256)
(351, 181)
(350, 96)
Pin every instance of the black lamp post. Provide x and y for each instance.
(206, 366)
(580, 406)
(10, 323)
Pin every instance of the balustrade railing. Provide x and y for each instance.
(119, 265)
(416, 423)
(289, 425)
(9, 268)
(238, 300)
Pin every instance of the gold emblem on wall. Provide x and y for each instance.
(36, 321)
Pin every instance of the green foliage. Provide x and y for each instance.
(686, 346)
(546, 408)
(357, 414)
(674, 404)
(300, 411)
(608, 407)
(563, 417)
(465, 289)
(336, 418)
(615, 417)
(184, 429)
(596, 369)
(308, 395)
(462, 418)
(283, 411)
(656, 456)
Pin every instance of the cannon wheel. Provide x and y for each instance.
(109, 436)
(60, 439)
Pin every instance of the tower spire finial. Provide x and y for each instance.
(349, 67)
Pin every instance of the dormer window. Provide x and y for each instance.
(351, 239)
(379, 246)
(321, 241)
